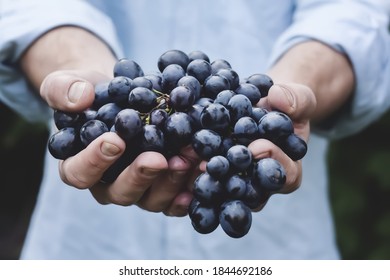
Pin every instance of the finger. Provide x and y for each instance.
(263, 148)
(173, 182)
(133, 182)
(70, 91)
(296, 100)
(179, 205)
(87, 167)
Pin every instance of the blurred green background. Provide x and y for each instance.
(359, 179)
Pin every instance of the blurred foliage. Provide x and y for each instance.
(359, 169)
(21, 159)
(359, 186)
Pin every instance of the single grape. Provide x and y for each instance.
(218, 167)
(208, 190)
(213, 85)
(294, 146)
(252, 198)
(128, 124)
(171, 75)
(235, 187)
(215, 117)
(235, 218)
(198, 55)
(200, 69)
(173, 57)
(152, 139)
(142, 99)
(250, 91)
(239, 106)
(239, 157)
(206, 143)
(142, 82)
(231, 75)
(66, 119)
(178, 130)
(119, 89)
(262, 82)
(275, 125)
(224, 96)
(107, 113)
(156, 79)
(192, 83)
(101, 95)
(91, 130)
(181, 98)
(64, 143)
(268, 174)
(128, 68)
(245, 131)
(219, 64)
(258, 113)
(204, 219)
(158, 117)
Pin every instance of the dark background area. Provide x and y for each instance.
(359, 179)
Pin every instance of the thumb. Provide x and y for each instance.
(296, 100)
(70, 91)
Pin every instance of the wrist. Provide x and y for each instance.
(66, 48)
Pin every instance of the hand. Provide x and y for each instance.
(299, 102)
(150, 181)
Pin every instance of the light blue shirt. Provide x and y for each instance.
(69, 224)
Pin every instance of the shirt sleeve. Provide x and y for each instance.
(21, 23)
(358, 29)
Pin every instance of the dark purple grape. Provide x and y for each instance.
(142, 82)
(173, 57)
(258, 113)
(142, 99)
(107, 113)
(194, 112)
(224, 96)
(156, 80)
(204, 219)
(192, 83)
(128, 68)
(158, 117)
(231, 75)
(181, 98)
(101, 95)
(235, 218)
(128, 124)
(119, 89)
(219, 64)
(293, 146)
(268, 174)
(171, 75)
(64, 143)
(88, 114)
(262, 82)
(208, 190)
(152, 139)
(66, 119)
(239, 106)
(252, 197)
(178, 130)
(213, 85)
(206, 143)
(200, 69)
(215, 117)
(275, 125)
(245, 131)
(235, 187)
(250, 91)
(198, 55)
(91, 130)
(218, 167)
(239, 157)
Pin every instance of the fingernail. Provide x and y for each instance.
(109, 149)
(288, 94)
(76, 91)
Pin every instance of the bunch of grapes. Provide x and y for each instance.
(190, 101)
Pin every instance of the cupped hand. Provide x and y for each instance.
(151, 181)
